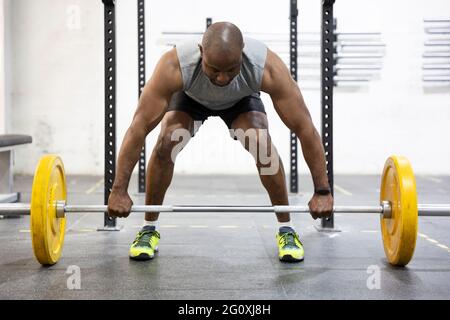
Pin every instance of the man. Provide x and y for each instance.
(221, 77)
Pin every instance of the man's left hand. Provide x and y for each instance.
(321, 206)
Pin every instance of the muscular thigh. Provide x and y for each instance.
(250, 120)
(251, 126)
(177, 127)
(173, 120)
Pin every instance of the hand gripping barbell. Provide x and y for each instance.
(398, 210)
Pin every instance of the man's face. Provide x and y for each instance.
(220, 68)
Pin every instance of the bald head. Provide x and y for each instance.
(221, 49)
(223, 37)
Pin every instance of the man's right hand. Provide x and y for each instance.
(119, 204)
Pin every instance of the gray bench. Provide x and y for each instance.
(8, 142)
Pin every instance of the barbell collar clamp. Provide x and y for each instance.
(60, 209)
(387, 209)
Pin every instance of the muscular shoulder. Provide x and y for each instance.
(275, 74)
(167, 74)
(170, 66)
(170, 60)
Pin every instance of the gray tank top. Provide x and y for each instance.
(198, 86)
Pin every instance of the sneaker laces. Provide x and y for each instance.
(143, 237)
(288, 239)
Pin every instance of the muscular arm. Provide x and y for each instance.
(290, 106)
(155, 97)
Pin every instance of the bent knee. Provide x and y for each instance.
(170, 142)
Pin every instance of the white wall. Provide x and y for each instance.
(57, 83)
(57, 75)
(2, 70)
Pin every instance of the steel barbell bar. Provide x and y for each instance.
(383, 209)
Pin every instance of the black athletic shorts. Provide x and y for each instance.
(182, 102)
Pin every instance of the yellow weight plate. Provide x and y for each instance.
(47, 231)
(398, 186)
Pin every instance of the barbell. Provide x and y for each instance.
(398, 210)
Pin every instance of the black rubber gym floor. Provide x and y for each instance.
(229, 256)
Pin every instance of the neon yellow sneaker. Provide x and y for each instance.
(290, 247)
(145, 245)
